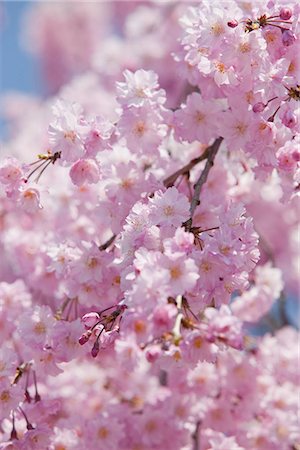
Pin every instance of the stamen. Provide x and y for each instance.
(46, 161)
(28, 424)
(13, 434)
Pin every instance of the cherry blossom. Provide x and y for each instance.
(149, 230)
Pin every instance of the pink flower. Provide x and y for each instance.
(142, 128)
(84, 171)
(11, 173)
(183, 273)
(197, 120)
(219, 441)
(163, 317)
(98, 136)
(10, 397)
(140, 87)
(223, 327)
(35, 325)
(104, 432)
(288, 38)
(169, 208)
(67, 132)
(29, 200)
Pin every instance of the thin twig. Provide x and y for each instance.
(283, 317)
(212, 151)
(196, 436)
(107, 243)
(169, 182)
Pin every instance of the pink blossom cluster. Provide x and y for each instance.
(149, 219)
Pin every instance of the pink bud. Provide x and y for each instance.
(153, 353)
(95, 349)
(289, 119)
(84, 171)
(84, 338)
(296, 155)
(288, 38)
(232, 23)
(285, 13)
(90, 319)
(258, 107)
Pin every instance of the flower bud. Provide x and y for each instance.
(232, 23)
(153, 353)
(258, 107)
(84, 337)
(285, 13)
(90, 319)
(95, 349)
(289, 119)
(288, 38)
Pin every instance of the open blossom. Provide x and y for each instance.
(169, 208)
(219, 441)
(198, 119)
(11, 172)
(98, 136)
(183, 274)
(143, 129)
(29, 200)
(35, 326)
(140, 87)
(67, 131)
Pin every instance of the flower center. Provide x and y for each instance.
(175, 272)
(103, 433)
(39, 328)
(198, 342)
(169, 210)
(5, 396)
(140, 128)
(70, 136)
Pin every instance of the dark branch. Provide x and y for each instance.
(212, 151)
(107, 243)
(196, 436)
(185, 170)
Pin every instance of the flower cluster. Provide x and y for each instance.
(149, 250)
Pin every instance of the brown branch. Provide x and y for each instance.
(107, 243)
(283, 317)
(196, 437)
(212, 151)
(169, 182)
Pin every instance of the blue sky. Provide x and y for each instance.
(18, 68)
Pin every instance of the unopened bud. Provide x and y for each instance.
(288, 38)
(27, 396)
(84, 337)
(296, 155)
(90, 319)
(232, 23)
(95, 349)
(153, 353)
(289, 119)
(285, 13)
(258, 107)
